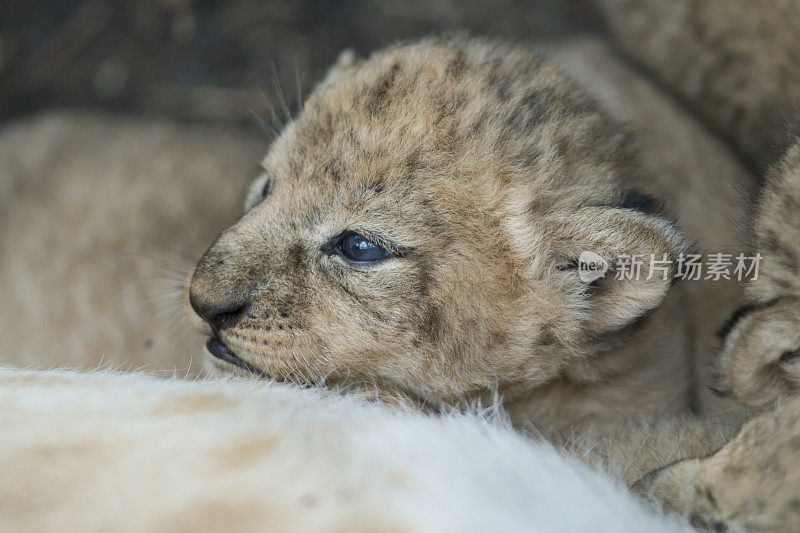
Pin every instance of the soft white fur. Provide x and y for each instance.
(103, 451)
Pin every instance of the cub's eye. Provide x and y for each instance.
(267, 188)
(790, 356)
(359, 249)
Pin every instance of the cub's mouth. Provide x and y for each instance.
(218, 349)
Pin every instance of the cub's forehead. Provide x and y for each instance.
(459, 122)
(429, 105)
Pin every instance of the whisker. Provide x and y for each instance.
(167, 295)
(166, 306)
(276, 121)
(171, 275)
(178, 269)
(324, 378)
(298, 82)
(313, 369)
(276, 82)
(263, 123)
(183, 254)
(188, 368)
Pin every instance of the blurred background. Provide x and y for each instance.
(223, 61)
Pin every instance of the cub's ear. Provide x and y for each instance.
(346, 60)
(617, 264)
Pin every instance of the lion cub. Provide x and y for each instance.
(417, 231)
(753, 482)
(760, 362)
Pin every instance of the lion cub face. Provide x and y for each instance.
(417, 227)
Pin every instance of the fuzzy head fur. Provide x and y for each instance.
(486, 173)
(761, 358)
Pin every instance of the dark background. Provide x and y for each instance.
(220, 61)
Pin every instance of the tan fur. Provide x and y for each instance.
(735, 62)
(752, 483)
(632, 450)
(759, 362)
(696, 177)
(738, 64)
(101, 219)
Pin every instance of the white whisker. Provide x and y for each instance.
(276, 82)
(298, 81)
(276, 121)
(263, 124)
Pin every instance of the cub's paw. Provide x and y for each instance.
(751, 484)
(760, 362)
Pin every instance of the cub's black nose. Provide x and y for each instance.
(219, 316)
